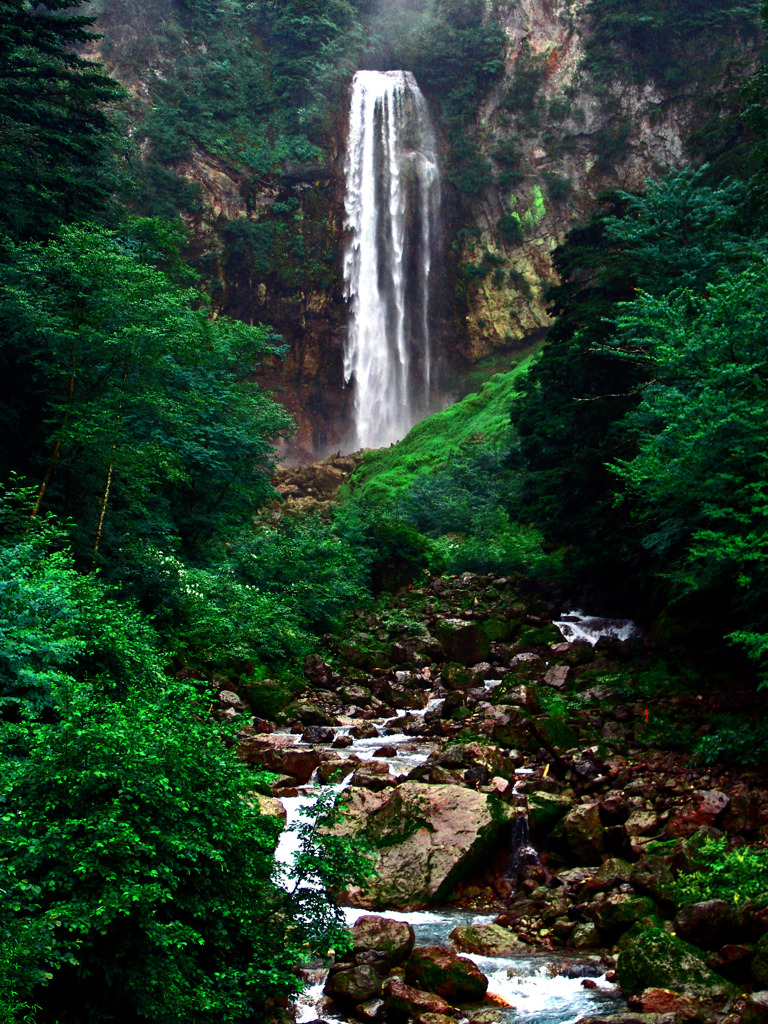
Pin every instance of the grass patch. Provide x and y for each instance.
(433, 444)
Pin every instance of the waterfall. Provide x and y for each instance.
(392, 206)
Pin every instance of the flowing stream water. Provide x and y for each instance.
(545, 988)
(392, 207)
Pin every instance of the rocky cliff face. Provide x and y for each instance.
(552, 140)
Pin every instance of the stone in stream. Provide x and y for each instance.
(403, 1001)
(438, 970)
(353, 984)
(395, 939)
(487, 940)
(425, 839)
(279, 754)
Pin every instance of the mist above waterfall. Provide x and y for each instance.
(392, 207)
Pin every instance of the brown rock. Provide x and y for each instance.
(425, 837)
(663, 1000)
(395, 939)
(278, 753)
(353, 985)
(403, 1001)
(453, 977)
(704, 809)
(584, 833)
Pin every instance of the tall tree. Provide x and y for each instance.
(54, 130)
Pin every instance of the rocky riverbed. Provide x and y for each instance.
(492, 766)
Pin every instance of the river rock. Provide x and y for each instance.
(425, 839)
(756, 1010)
(403, 1001)
(354, 984)
(759, 966)
(434, 1018)
(486, 940)
(583, 832)
(709, 924)
(438, 970)
(663, 1000)
(621, 910)
(463, 640)
(277, 753)
(656, 959)
(545, 810)
(395, 939)
(704, 809)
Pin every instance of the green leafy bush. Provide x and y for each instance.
(736, 742)
(136, 873)
(723, 874)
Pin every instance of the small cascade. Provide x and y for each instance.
(577, 627)
(392, 207)
(521, 851)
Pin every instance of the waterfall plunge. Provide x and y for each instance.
(392, 205)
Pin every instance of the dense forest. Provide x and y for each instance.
(146, 558)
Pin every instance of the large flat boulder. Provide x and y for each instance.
(425, 838)
(656, 959)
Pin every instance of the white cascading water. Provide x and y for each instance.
(392, 207)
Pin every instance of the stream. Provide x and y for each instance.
(543, 987)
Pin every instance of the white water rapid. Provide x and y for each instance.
(392, 206)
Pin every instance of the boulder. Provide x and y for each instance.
(653, 876)
(438, 970)
(756, 1010)
(318, 734)
(403, 1002)
(463, 640)
(759, 967)
(585, 936)
(354, 984)
(709, 924)
(656, 959)
(703, 809)
(312, 712)
(621, 910)
(395, 939)
(434, 1018)
(487, 940)
(663, 1000)
(278, 753)
(545, 810)
(583, 832)
(425, 838)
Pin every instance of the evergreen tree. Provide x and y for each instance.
(54, 130)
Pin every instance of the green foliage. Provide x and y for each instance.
(140, 417)
(456, 52)
(735, 742)
(56, 625)
(438, 441)
(54, 129)
(671, 41)
(569, 418)
(719, 873)
(698, 481)
(136, 874)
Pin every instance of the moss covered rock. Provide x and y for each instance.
(452, 977)
(656, 959)
(545, 810)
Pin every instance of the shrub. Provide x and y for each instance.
(723, 874)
